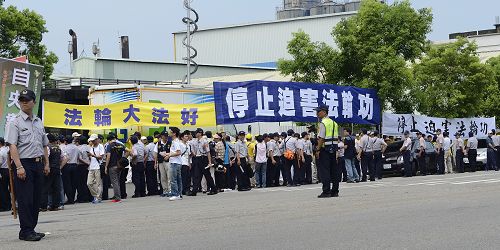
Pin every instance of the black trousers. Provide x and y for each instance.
(357, 164)
(186, 179)
(139, 179)
(422, 166)
(200, 170)
(440, 161)
(51, 186)
(82, 173)
(70, 181)
(123, 180)
(459, 161)
(369, 164)
(220, 179)
(379, 168)
(498, 157)
(243, 174)
(5, 203)
(231, 175)
(279, 168)
(28, 195)
(106, 184)
(365, 164)
(472, 156)
(308, 168)
(329, 171)
(341, 166)
(407, 163)
(270, 170)
(151, 178)
(287, 169)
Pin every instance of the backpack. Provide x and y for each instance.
(55, 156)
(117, 151)
(211, 148)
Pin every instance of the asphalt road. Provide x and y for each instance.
(457, 211)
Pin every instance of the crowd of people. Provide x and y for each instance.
(174, 164)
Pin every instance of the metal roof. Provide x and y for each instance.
(349, 13)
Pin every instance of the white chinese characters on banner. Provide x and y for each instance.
(331, 99)
(14, 99)
(365, 106)
(237, 102)
(347, 104)
(308, 101)
(396, 124)
(286, 102)
(21, 77)
(263, 100)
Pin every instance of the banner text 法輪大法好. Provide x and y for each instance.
(266, 101)
(126, 114)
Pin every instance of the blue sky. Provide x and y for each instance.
(149, 23)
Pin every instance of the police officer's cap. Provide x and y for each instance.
(27, 95)
(51, 137)
(283, 134)
(242, 133)
(322, 108)
(164, 133)
(150, 139)
(407, 132)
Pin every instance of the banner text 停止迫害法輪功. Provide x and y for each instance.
(127, 114)
(267, 101)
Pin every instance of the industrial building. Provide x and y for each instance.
(259, 44)
(488, 40)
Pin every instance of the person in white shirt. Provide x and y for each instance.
(151, 167)
(406, 152)
(186, 163)
(448, 155)
(175, 161)
(5, 203)
(94, 181)
(260, 162)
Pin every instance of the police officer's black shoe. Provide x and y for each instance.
(212, 193)
(324, 195)
(191, 194)
(41, 235)
(336, 194)
(31, 237)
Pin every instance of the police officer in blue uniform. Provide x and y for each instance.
(28, 147)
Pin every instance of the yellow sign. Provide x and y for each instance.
(126, 114)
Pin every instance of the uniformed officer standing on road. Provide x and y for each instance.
(28, 148)
(326, 153)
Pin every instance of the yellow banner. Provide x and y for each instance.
(126, 114)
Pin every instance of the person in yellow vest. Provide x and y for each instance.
(326, 151)
(251, 154)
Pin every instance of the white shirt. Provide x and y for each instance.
(97, 151)
(185, 154)
(176, 146)
(4, 151)
(446, 144)
(261, 153)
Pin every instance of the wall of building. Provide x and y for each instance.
(256, 43)
(100, 68)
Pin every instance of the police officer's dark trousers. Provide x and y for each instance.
(422, 166)
(123, 180)
(29, 194)
(139, 179)
(329, 171)
(498, 158)
(365, 163)
(367, 159)
(243, 177)
(472, 157)
(377, 158)
(5, 203)
(231, 175)
(459, 161)
(407, 163)
(51, 187)
(308, 169)
(81, 187)
(200, 163)
(287, 169)
(440, 161)
(278, 169)
(70, 180)
(151, 178)
(106, 183)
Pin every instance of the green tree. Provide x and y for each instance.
(21, 34)
(374, 48)
(452, 81)
(491, 104)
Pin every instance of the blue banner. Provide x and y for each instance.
(266, 101)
